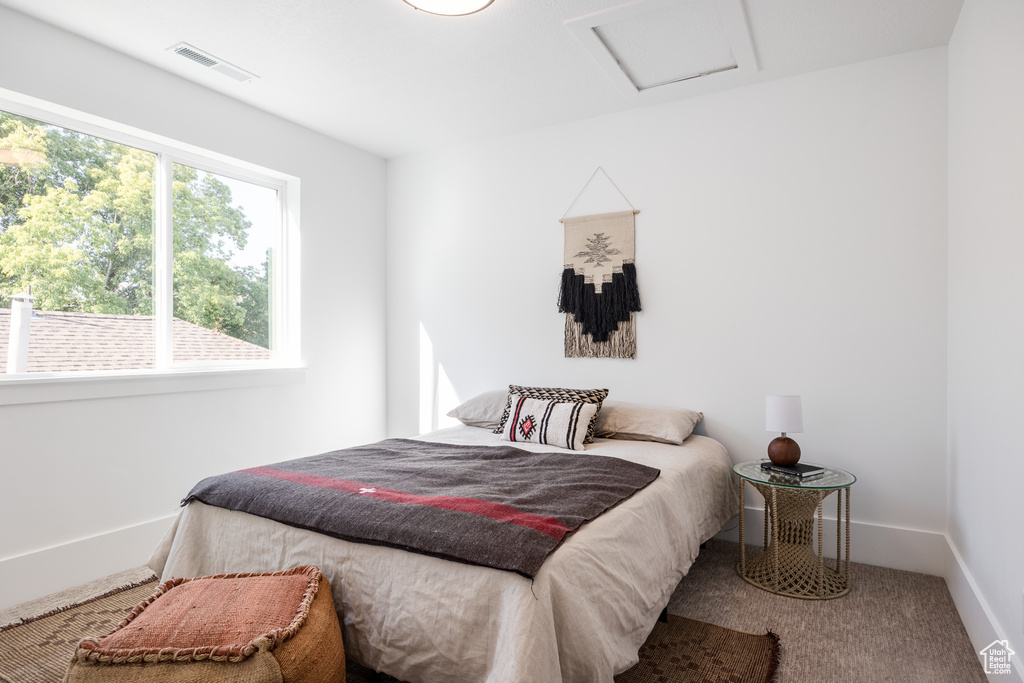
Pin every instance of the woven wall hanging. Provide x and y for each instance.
(599, 294)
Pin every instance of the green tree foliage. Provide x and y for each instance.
(24, 146)
(76, 223)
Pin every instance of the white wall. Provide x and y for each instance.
(986, 298)
(792, 239)
(87, 469)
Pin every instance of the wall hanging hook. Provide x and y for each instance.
(586, 184)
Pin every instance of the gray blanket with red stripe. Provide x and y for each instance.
(495, 506)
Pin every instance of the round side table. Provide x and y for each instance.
(789, 564)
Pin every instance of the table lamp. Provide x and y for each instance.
(783, 414)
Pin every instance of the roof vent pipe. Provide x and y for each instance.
(21, 321)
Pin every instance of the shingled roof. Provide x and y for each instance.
(71, 342)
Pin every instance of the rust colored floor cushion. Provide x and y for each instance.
(278, 627)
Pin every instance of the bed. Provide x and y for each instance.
(423, 619)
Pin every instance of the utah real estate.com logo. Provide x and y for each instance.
(997, 657)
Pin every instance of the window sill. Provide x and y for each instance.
(20, 389)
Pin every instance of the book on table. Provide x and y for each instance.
(800, 470)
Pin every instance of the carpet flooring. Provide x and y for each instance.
(892, 626)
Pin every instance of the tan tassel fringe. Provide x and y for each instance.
(621, 343)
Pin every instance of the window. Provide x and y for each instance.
(122, 254)
(76, 232)
(223, 248)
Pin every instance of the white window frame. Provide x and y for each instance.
(285, 364)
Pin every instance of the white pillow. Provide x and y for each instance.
(484, 410)
(664, 424)
(555, 423)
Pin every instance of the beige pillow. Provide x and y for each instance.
(484, 410)
(664, 424)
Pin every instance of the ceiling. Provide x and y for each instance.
(394, 81)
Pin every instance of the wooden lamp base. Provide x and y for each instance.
(784, 451)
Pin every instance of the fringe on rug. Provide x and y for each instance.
(773, 663)
(65, 608)
(621, 343)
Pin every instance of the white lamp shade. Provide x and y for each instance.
(449, 8)
(783, 414)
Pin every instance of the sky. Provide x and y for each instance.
(260, 206)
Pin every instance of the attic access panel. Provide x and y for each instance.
(645, 45)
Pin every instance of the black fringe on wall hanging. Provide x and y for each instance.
(599, 313)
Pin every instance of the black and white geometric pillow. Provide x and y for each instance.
(595, 396)
(555, 423)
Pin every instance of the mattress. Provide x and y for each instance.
(423, 619)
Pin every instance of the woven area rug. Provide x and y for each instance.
(38, 649)
(688, 651)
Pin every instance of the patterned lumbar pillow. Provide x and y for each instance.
(594, 396)
(555, 423)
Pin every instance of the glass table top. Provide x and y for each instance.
(832, 478)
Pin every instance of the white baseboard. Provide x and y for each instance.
(33, 575)
(982, 626)
(885, 546)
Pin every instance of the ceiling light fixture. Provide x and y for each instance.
(449, 8)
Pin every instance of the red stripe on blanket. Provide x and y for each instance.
(546, 525)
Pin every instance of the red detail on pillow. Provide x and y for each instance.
(527, 426)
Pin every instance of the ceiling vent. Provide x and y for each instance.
(668, 45)
(208, 61)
